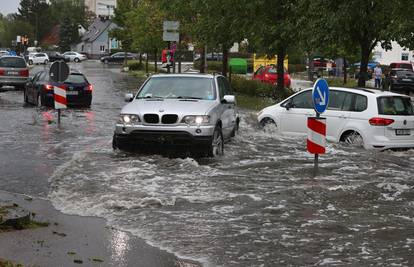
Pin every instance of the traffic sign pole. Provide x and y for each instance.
(317, 126)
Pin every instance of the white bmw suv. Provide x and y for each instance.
(371, 118)
(196, 112)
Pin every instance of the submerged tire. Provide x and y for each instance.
(216, 147)
(353, 138)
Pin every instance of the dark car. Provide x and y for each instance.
(39, 90)
(400, 80)
(118, 57)
(55, 56)
(401, 65)
(13, 71)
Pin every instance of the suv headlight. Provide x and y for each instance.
(129, 119)
(196, 119)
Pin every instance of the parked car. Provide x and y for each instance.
(13, 71)
(55, 56)
(320, 62)
(400, 80)
(196, 112)
(38, 58)
(401, 65)
(370, 70)
(118, 57)
(370, 118)
(39, 90)
(268, 74)
(74, 56)
(210, 56)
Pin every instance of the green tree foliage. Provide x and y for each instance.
(276, 31)
(361, 25)
(66, 34)
(145, 25)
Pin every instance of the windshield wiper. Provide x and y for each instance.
(149, 97)
(189, 97)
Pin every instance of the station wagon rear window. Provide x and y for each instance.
(12, 62)
(395, 105)
(75, 78)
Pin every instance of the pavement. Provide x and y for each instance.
(74, 240)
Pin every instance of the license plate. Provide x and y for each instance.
(406, 80)
(402, 132)
(71, 92)
(13, 73)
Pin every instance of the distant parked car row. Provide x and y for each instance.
(118, 57)
(51, 56)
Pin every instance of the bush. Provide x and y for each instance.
(294, 68)
(135, 65)
(241, 85)
(212, 66)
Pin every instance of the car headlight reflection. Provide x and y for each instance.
(196, 119)
(129, 119)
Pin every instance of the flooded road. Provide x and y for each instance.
(257, 206)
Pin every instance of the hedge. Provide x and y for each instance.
(241, 85)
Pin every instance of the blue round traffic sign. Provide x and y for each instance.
(320, 95)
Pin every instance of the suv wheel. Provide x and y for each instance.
(216, 147)
(106, 61)
(46, 61)
(235, 129)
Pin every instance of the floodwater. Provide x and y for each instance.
(258, 205)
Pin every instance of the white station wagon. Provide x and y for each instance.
(370, 118)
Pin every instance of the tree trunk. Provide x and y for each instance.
(155, 61)
(146, 63)
(140, 58)
(345, 71)
(225, 61)
(363, 71)
(281, 53)
(203, 60)
(125, 59)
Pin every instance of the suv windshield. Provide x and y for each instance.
(395, 105)
(12, 62)
(178, 87)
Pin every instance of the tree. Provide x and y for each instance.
(36, 13)
(364, 24)
(276, 31)
(65, 34)
(145, 24)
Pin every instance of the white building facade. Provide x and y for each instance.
(101, 7)
(396, 54)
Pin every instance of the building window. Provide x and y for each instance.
(404, 56)
(102, 48)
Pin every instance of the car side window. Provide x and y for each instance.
(37, 75)
(303, 100)
(227, 87)
(336, 100)
(221, 87)
(360, 103)
(259, 71)
(347, 105)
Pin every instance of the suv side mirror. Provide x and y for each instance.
(129, 97)
(228, 99)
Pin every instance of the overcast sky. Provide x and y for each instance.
(9, 6)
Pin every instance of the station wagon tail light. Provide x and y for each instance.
(24, 73)
(2, 72)
(380, 121)
(48, 86)
(89, 87)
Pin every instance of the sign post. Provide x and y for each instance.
(59, 72)
(316, 141)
